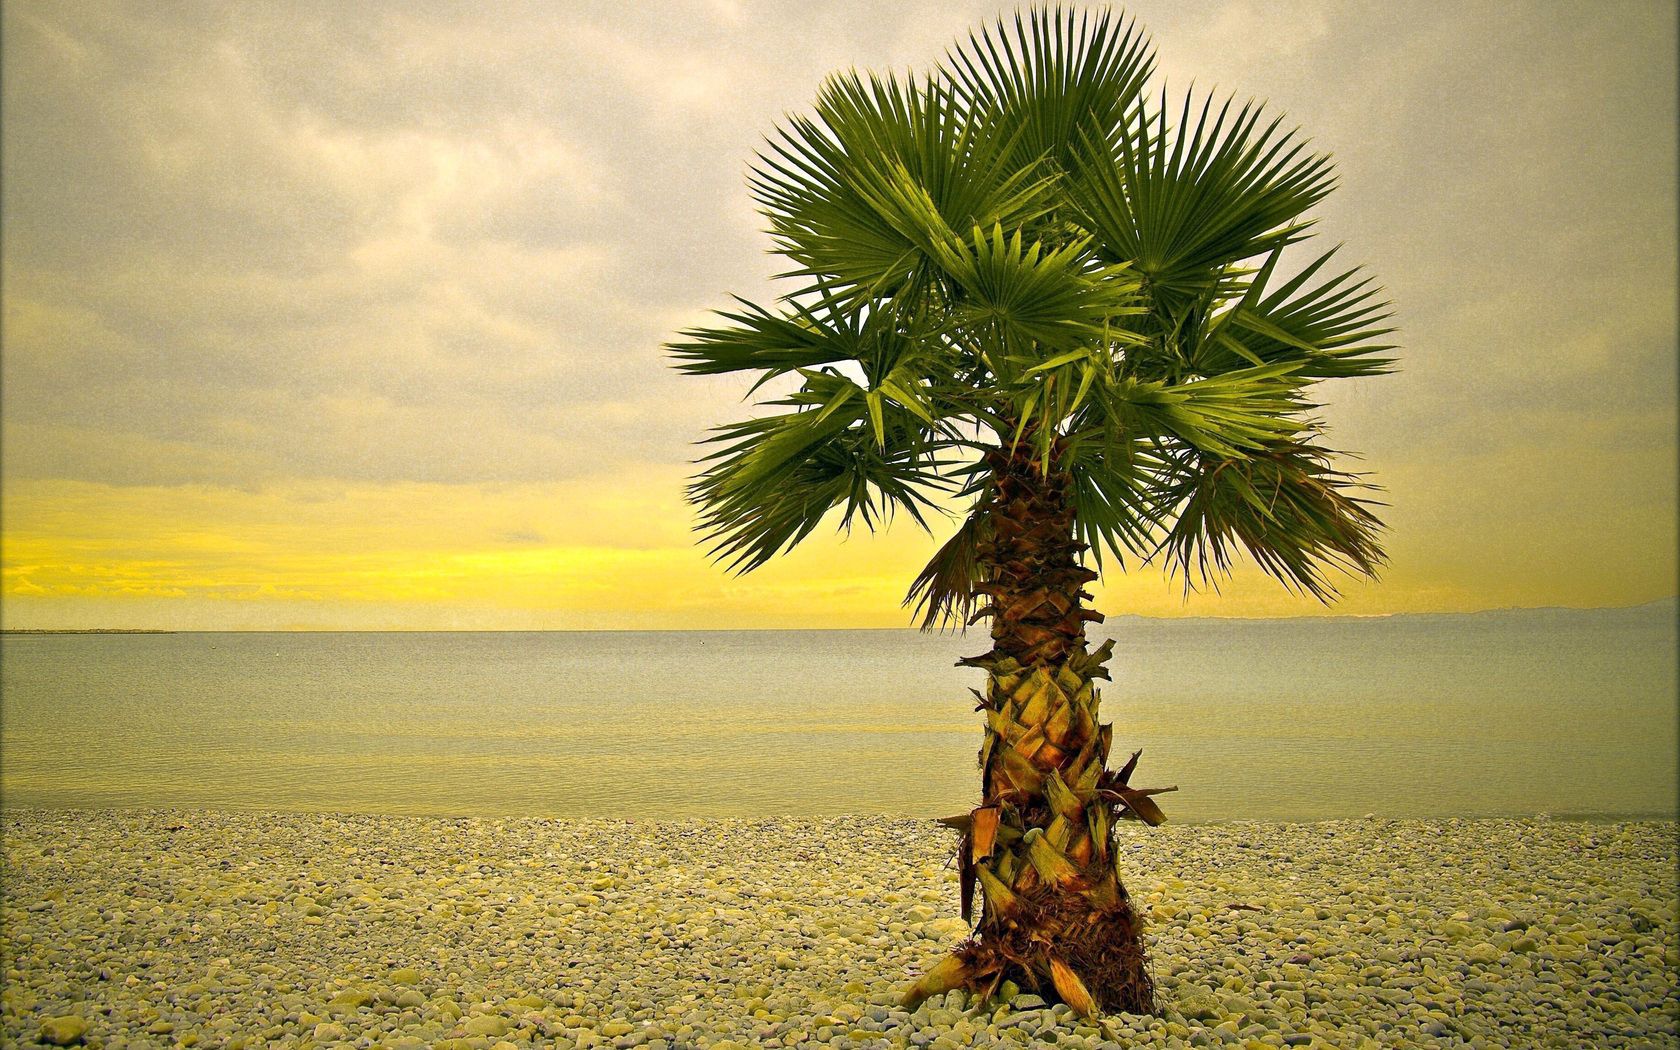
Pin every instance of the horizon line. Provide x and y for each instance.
(741, 630)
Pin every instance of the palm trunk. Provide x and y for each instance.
(1055, 917)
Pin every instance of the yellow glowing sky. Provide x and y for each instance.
(344, 316)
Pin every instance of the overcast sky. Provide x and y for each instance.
(350, 314)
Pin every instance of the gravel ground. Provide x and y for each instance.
(174, 928)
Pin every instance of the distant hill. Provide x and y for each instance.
(1662, 608)
(84, 630)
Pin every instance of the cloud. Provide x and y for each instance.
(223, 266)
(320, 247)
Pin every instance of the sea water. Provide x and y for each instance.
(1501, 713)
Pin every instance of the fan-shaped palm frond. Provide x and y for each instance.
(1223, 415)
(1052, 80)
(1113, 499)
(824, 179)
(771, 343)
(1181, 209)
(1330, 329)
(1294, 514)
(943, 593)
(772, 479)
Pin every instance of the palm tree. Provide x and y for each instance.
(1019, 289)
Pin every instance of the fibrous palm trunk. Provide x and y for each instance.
(1055, 916)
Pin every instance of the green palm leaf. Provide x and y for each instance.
(1225, 415)
(1181, 209)
(772, 480)
(773, 344)
(1051, 80)
(1113, 496)
(1035, 298)
(831, 186)
(1331, 329)
(1298, 517)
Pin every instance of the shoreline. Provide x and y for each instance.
(249, 928)
(8, 810)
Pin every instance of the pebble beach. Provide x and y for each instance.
(167, 928)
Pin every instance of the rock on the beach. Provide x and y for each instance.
(63, 1031)
(948, 929)
(296, 930)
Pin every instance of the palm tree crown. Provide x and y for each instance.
(1022, 250)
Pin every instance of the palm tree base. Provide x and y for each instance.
(1092, 960)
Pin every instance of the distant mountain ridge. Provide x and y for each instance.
(1661, 607)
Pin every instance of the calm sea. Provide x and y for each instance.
(1566, 712)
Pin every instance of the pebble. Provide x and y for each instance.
(63, 1031)
(495, 934)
